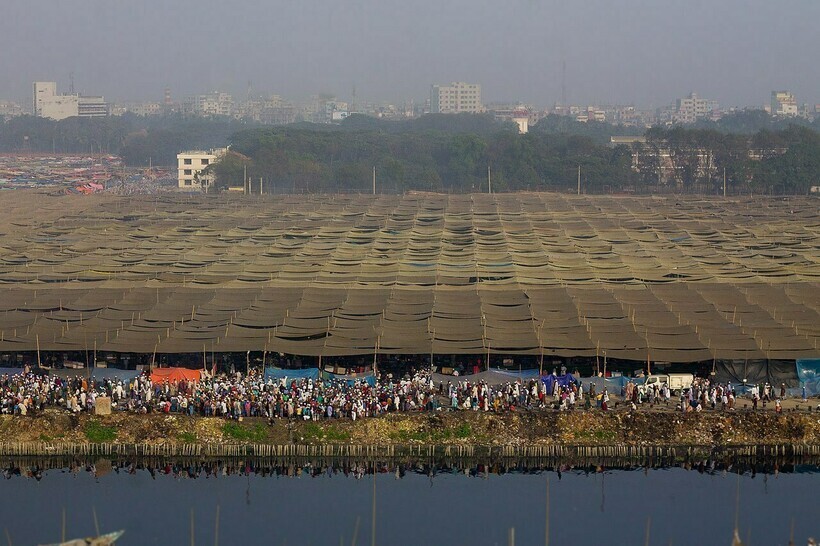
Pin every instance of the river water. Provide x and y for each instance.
(299, 504)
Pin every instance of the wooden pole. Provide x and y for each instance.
(547, 531)
(579, 180)
(374, 180)
(216, 527)
(38, 350)
(373, 522)
(489, 181)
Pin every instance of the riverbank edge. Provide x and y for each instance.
(406, 451)
(445, 434)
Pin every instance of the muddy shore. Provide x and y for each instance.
(597, 428)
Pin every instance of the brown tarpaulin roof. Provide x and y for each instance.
(678, 278)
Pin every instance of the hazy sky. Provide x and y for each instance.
(645, 52)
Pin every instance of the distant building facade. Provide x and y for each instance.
(190, 165)
(10, 109)
(49, 104)
(783, 104)
(692, 108)
(456, 98)
(209, 104)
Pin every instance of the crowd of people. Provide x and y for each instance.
(238, 395)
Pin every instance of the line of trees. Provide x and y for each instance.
(760, 154)
(301, 159)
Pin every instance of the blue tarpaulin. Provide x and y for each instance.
(808, 372)
(279, 373)
(562, 380)
(370, 379)
(613, 384)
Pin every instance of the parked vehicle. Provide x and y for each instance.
(678, 382)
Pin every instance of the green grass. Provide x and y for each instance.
(328, 433)
(98, 433)
(257, 433)
(601, 435)
(464, 430)
(187, 437)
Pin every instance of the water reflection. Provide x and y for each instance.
(416, 500)
(192, 469)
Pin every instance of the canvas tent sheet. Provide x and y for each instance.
(172, 375)
(658, 279)
(756, 372)
(493, 376)
(281, 373)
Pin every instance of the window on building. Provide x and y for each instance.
(206, 161)
(187, 182)
(187, 161)
(187, 172)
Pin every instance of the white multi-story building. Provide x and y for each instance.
(190, 166)
(693, 108)
(456, 98)
(48, 104)
(784, 104)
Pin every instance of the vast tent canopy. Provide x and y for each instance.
(677, 279)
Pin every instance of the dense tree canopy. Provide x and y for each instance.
(453, 153)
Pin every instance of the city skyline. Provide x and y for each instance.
(615, 53)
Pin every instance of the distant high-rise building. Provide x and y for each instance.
(783, 104)
(456, 98)
(48, 104)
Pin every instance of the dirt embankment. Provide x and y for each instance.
(460, 428)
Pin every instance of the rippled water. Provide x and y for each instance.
(299, 504)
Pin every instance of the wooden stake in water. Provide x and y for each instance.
(216, 527)
(547, 530)
(96, 523)
(646, 536)
(373, 523)
(355, 531)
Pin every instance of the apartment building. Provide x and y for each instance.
(456, 98)
(190, 165)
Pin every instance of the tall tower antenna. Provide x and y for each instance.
(71, 83)
(564, 84)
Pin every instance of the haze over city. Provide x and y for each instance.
(628, 52)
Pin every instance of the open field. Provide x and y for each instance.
(678, 279)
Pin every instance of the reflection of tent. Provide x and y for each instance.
(160, 375)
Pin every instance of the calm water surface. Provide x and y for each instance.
(449, 508)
